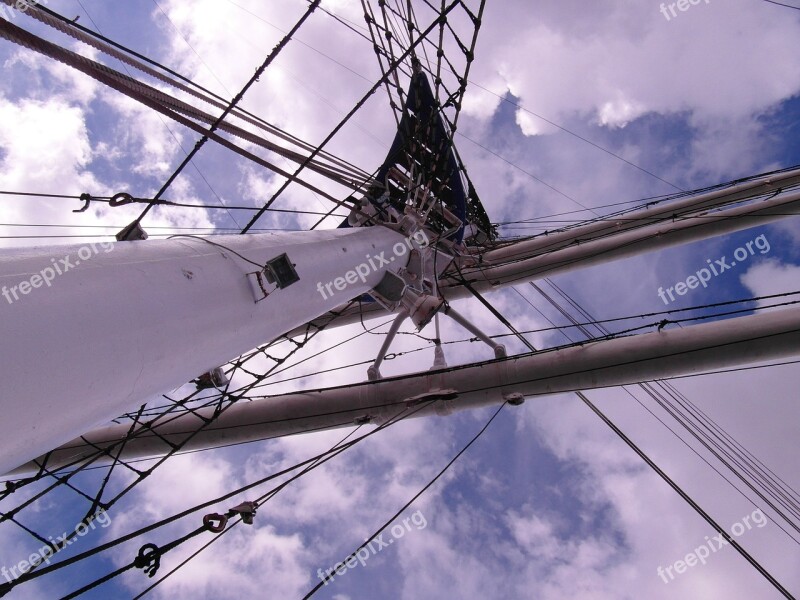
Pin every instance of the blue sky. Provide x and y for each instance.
(549, 503)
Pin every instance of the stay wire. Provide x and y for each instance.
(724, 457)
(700, 456)
(319, 458)
(702, 416)
(107, 46)
(644, 386)
(716, 436)
(498, 315)
(259, 503)
(148, 428)
(732, 453)
(166, 126)
(782, 4)
(692, 428)
(594, 322)
(666, 380)
(689, 500)
(400, 378)
(232, 104)
(342, 123)
(414, 498)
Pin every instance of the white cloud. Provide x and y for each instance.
(772, 277)
(599, 67)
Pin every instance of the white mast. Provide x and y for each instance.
(124, 321)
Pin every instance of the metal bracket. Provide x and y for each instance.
(514, 398)
(247, 510)
(373, 372)
(499, 349)
(257, 282)
(132, 233)
(215, 378)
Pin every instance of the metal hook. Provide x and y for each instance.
(86, 199)
(148, 559)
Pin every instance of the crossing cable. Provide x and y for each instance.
(355, 29)
(101, 451)
(440, 172)
(735, 452)
(782, 4)
(479, 272)
(665, 380)
(342, 123)
(682, 410)
(647, 387)
(619, 215)
(177, 141)
(232, 104)
(698, 509)
(497, 314)
(339, 171)
(709, 422)
(699, 455)
(123, 54)
(163, 104)
(591, 321)
(518, 106)
(731, 462)
(455, 368)
(147, 428)
(613, 230)
(316, 460)
(390, 78)
(706, 440)
(400, 378)
(259, 502)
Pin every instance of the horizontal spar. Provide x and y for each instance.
(660, 212)
(632, 243)
(767, 336)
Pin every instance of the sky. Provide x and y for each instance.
(572, 106)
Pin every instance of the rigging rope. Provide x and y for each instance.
(698, 509)
(311, 463)
(389, 521)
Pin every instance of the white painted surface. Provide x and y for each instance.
(147, 317)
